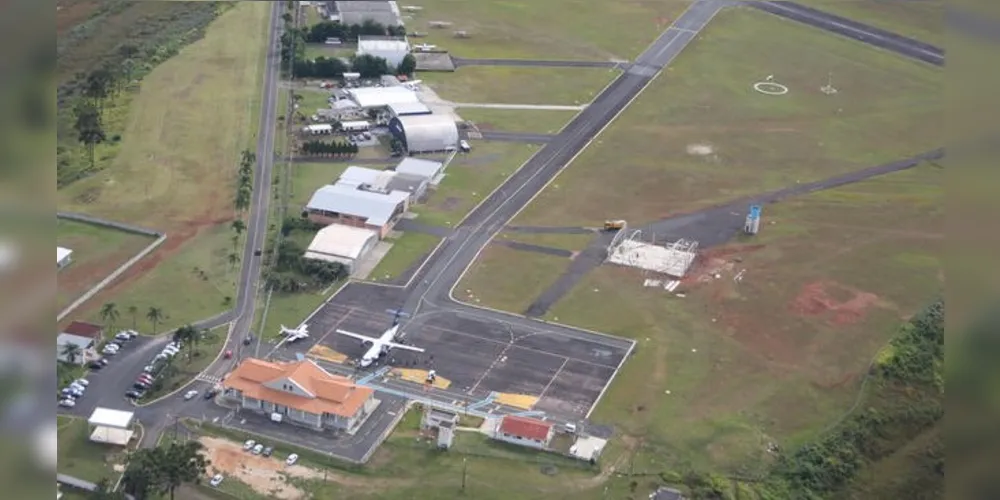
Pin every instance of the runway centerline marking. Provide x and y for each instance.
(553, 379)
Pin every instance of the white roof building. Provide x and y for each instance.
(425, 133)
(111, 426)
(357, 176)
(409, 108)
(427, 169)
(342, 244)
(62, 256)
(380, 97)
(383, 12)
(376, 208)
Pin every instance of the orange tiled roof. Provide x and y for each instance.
(524, 427)
(335, 395)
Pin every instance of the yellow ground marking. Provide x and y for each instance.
(523, 401)
(325, 353)
(420, 377)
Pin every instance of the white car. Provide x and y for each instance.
(82, 381)
(249, 444)
(291, 459)
(67, 403)
(190, 394)
(216, 480)
(77, 388)
(464, 145)
(257, 449)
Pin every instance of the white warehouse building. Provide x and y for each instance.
(342, 244)
(392, 49)
(382, 97)
(425, 133)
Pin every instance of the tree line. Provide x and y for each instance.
(336, 149)
(293, 60)
(163, 469)
(324, 30)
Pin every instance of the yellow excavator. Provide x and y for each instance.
(613, 225)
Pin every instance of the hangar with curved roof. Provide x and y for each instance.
(425, 133)
(343, 244)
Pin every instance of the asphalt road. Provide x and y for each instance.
(859, 31)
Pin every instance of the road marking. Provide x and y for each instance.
(553, 379)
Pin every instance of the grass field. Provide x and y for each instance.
(307, 178)
(700, 135)
(406, 251)
(176, 168)
(923, 20)
(719, 374)
(191, 285)
(514, 85)
(516, 120)
(571, 242)
(509, 279)
(314, 50)
(81, 458)
(97, 251)
(289, 309)
(470, 178)
(554, 29)
(312, 100)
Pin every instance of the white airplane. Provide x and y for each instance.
(379, 346)
(294, 334)
(413, 85)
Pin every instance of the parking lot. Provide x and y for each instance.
(476, 356)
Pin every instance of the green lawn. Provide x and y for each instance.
(571, 242)
(780, 354)
(520, 85)
(201, 355)
(290, 309)
(700, 135)
(509, 279)
(97, 251)
(516, 120)
(923, 20)
(553, 29)
(193, 284)
(312, 100)
(470, 178)
(81, 458)
(406, 251)
(176, 167)
(308, 177)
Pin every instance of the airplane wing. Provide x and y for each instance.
(404, 347)
(357, 336)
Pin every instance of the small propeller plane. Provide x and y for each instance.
(379, 346)
(294, 334)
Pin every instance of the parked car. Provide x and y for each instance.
(133, 394)
(216, 480)
(229, 354)
(258, 449)
(82, 381)
(140, 386)
(267, 451)
(291, 459)
(464, 146)
(150, 369)
(95, 365)
(145, 379)
(123, 336)
(190, 394)
(209, 394)
(67, 403)
(78, 388)
(249, 444)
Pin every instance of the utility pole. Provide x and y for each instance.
(465, 470)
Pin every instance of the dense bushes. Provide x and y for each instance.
(320, 32)
(905, 402)
(293, 273)
(335, 149)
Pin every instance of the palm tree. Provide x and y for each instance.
(234, 259)
(236, 242)
(239, 226)
(154, 315)
(72, 352)
(134, 311)
(109, 314)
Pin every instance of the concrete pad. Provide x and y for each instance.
(326, 354)
(368, 264)
(523, 401)
(434, 61)
(420, 377)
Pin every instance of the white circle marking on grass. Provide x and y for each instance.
(770, 88)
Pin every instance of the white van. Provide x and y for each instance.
(276, 417)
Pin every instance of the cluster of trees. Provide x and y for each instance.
(323, 30)
(910, 381)
(160, 471)
(244, 192)
(336, 149)
(110, 315)
(367, 65)
(294, 273)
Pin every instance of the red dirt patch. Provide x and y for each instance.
(714, 260)
(70, 14)
(817, 299)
